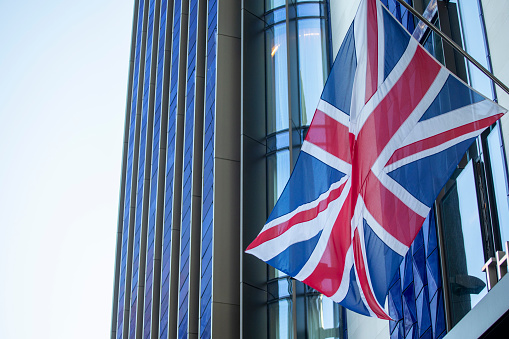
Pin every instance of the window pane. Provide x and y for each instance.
(433, 44)
(463, 245)
(280, 319)
(270, 4)
(499, 183)
(278, 172)
(308, 10)
(323, 320)
(473, 40)
(312, 66)
(277, 79)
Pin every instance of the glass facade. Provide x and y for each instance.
(169, 196)
(208, 175)
(158, 153)
(141, 173)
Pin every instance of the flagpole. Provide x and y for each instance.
(455, 46)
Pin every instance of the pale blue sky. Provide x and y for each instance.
(63, 79)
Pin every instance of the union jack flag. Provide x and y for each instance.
(390, 128)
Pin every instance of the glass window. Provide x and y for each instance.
(278, 172)
(499, 182)
(323, 317)
(312, 65)
(270, 4)
(463, 245)
(277, 79)
(280, 319)
(433, 44)
(308, 10)
(473, 42)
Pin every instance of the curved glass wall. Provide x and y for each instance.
(297, 66)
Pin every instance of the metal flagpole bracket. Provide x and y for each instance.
(455, 46)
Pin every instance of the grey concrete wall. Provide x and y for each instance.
(226, 235)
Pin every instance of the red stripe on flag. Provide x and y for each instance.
(441, 138)
(392, 214)
(372, 50)
(329, 135)
(298, 218)
(327, 275)
(363, 279)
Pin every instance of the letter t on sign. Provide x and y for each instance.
(491, 272)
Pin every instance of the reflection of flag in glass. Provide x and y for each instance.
(390, 128)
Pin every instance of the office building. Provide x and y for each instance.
(220, 95)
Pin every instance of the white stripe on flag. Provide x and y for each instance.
(320, 247)
(402, 194)
(327, 158)
(453, 119)
(334, 113)
(304, 207)
(430, 151)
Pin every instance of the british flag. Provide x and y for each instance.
(390, 128)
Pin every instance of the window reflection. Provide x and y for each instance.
(323, 318)
(312, 65)
(270, 4)
(433, 44)
(277, 79)
(499, 182)
(473, 41)
(280, 319)
(463, 244)
(278, 172)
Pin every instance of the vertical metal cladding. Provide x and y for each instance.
(143, 155)
(123, 282)
(153, 263)
(208, 175)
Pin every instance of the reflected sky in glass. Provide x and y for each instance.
(312, 66)
(499, 182)
(470, 225)
(474, 44)
(277, 79)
